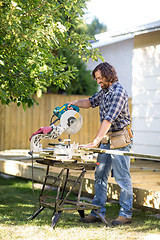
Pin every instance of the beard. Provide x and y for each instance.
(105, 85)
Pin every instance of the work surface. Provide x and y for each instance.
(145, 177)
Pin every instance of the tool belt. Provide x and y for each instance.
(118, 139)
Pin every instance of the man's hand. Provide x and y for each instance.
(71, 103)
(101, 133)
(81, 103)
(89, 145)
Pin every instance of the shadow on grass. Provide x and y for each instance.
(17, 205)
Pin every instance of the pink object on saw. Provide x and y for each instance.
(43, 130)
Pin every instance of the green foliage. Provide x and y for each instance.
(32, 35)
(95, 27)
(82, 83)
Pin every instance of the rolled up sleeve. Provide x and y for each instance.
(95, 99)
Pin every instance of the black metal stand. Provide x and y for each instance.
(61, 201)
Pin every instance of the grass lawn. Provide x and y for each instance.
(17, 204)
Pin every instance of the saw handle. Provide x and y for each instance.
(58, 111)
(76, 108)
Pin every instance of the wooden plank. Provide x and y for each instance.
(24, 129)
(146, 198)
(7, 139)
(13, 125)
(145, 182)
(146, 174)
(20, 169)
(147, 169)
(2, 127)
(42, 110)
(145, 164)
(152, 185)
(19, 127)
(29, 126)
(36, 116)
(118, 152)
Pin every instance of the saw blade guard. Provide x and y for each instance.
(72, 121)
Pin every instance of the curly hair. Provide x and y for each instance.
(107, 71)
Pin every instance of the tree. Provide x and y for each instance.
(82, 83)
(32, 35)
(95, 27)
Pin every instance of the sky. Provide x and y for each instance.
(123, 14)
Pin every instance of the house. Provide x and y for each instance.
(135, 54)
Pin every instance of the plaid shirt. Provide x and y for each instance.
(113, 106)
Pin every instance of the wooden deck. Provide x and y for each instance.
(145, 177)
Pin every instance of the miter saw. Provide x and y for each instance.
(70, 122)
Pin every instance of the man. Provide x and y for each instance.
(113, 133)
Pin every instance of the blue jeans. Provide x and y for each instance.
(121, 172)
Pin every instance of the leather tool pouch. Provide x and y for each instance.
(118, 139)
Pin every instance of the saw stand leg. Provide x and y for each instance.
(43, 196)
(40, 207)
(61, 202)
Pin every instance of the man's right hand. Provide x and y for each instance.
(81, 103)
(71, 103)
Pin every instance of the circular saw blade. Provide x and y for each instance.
(73, 120)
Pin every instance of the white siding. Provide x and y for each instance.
(146, 99)
(119, 55)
